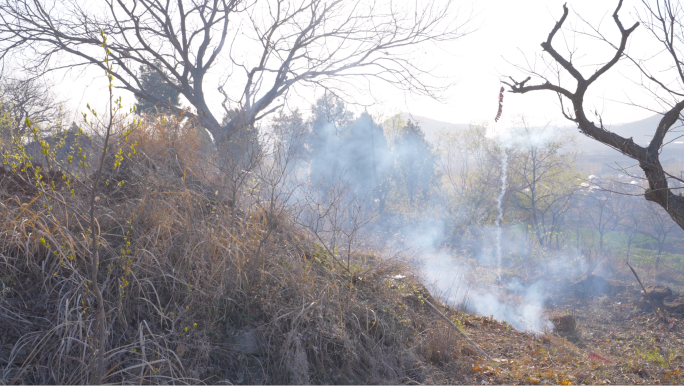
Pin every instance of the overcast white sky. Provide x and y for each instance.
(504, 29)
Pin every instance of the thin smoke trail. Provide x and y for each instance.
(499, 205)
(499, 200)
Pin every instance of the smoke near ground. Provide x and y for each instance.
(496, 220)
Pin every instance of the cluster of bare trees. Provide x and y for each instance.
(175, 46)
(614, 205)
(306, 42)
(540, 180)
(314, 43)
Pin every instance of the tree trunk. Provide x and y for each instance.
(657, 264)
(659, 191)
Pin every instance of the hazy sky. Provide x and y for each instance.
(509, 29)
(503, 30)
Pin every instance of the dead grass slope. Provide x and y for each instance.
(196, 289)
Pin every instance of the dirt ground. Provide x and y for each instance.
(615, 342)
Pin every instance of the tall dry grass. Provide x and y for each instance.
(197, 286)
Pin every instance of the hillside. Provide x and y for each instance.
(198, 283)
(189, 285)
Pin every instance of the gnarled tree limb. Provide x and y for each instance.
(647, 157)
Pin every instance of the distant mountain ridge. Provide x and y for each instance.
(592, 151)
(432, 127)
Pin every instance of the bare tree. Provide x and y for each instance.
(631, 221)
(657, 226)
(604, 207)
(584, 243)
(542, 174)
(470, 167)
(632, 231)
(663, 20)
(335, 219)
(311, 42)
(28, 98)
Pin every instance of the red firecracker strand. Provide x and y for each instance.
(498, 115)
(593, 355)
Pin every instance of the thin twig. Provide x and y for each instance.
(648, 297)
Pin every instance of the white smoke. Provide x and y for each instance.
(461, 283)
(456, 281)
(499, 205)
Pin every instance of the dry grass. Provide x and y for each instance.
(206, 284)
(195, 289)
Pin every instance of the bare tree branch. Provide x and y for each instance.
(647, 157)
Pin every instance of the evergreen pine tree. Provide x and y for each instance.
(155, 84)
(415, 163)
(329, 120)
(354, 150)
